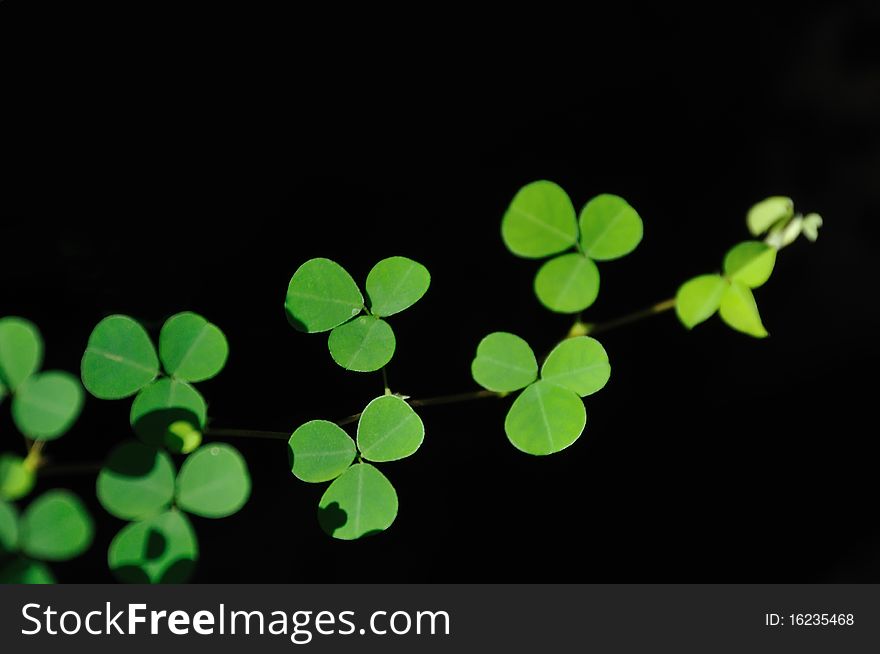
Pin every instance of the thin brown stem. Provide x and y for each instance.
(246, 433)
(653, 310)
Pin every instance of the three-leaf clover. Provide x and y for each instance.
(541, 222)
(44, 404)
(360, 501)
(322, 297)
(121, 360)
(549, 415)
(55, 527)
(139, 482)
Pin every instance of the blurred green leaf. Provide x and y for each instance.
(540, 221)
(56, 527)
(610, 228)
(120, 359)
(191, 348)
(739, 310)
(16, 478)
(767, 213)
(136, 482)
(321, 295)
(162, 549)
(504, 363)
(364, 344)
(750, 263)
(699, 298)
(21, 351)
(578, 364)
(163, 403)
(389, 430)
(545, 418)
(214, 482)
(568, 283)
(47, 405)
(21, 570)
(8, 528)
(395, 284)
(320, 451)
(360, 502)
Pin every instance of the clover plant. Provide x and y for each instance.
(141, 483)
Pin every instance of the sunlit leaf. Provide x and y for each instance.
(22, 570)
(120, 359)
(321, 295)
(56, 527)
(16, 478)
(545, 418)
(137, 481)
(767, 213)
(389, 430)
(214, 482)
(162, 549)
(540, 221)
(364, 344)
(610, 227)
(8, 528)
(163, 403)
(395, 284)
(750, 263)
(320, 451)
(699, 298)
(739, 310)
(21, 351)
(47, 404)
(191, 348)
(578, 364)
(568, 283)
(358, 503)
(504, 363)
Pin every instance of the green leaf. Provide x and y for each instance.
(321, 295)
(320, 451)
(56, 527)
(361, 502)
(540, 221)
(159, 550)
(364, 344)
(610, 227)
(395, 284)
(750, 262)
(119, 360)
(389, 430)
(3, 392)
(504, 363)
(8, 528)
(739, 310)
(699, 298)
(16, 478)
(21, 570)
(213, 482)
(568, 283)
(769, 212)
(162, 404)
(191, 348)
(545, 418)
(137, 481)
(47, 404)
(578, 364)
(21, 351)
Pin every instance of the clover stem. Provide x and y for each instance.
(385, 380)
(653, 310)
(34, 457)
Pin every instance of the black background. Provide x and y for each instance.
(153, 164)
